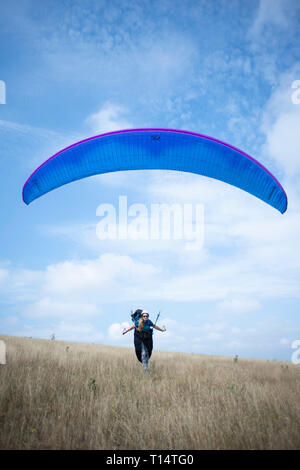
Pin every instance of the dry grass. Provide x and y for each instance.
(97, 397)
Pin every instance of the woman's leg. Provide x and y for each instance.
(145, 358)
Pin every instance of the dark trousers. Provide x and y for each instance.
(146, 339)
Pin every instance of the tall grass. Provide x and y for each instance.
(59, 395)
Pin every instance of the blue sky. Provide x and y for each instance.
(74, 69)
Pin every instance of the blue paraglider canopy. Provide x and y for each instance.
(160, 149)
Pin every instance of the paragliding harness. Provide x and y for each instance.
(136, 316)
(144, 335)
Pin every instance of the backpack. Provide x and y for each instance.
(136, 315)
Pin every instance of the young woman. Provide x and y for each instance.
(143, 341)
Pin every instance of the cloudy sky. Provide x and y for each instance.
(74, 69)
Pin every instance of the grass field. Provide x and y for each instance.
(60, 395)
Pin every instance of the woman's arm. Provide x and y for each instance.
(158, 328)
(129, 329)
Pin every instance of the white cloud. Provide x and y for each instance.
(77, 331)
(99, 277)
(51, 308)
(10, 126)
(70, 330)
(239, 306)
(235, 330)
(284, 341)
(271, 12)
(115, 330)
(213, 336)
(108, 118)
(211, 327)
(35, 144)
(3, 275)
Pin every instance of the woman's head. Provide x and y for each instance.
(145, 315)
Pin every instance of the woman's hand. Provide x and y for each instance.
(126, 331)
(158, 328)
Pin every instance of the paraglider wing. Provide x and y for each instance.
(156, 149)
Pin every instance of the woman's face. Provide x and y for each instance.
(145, 316)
